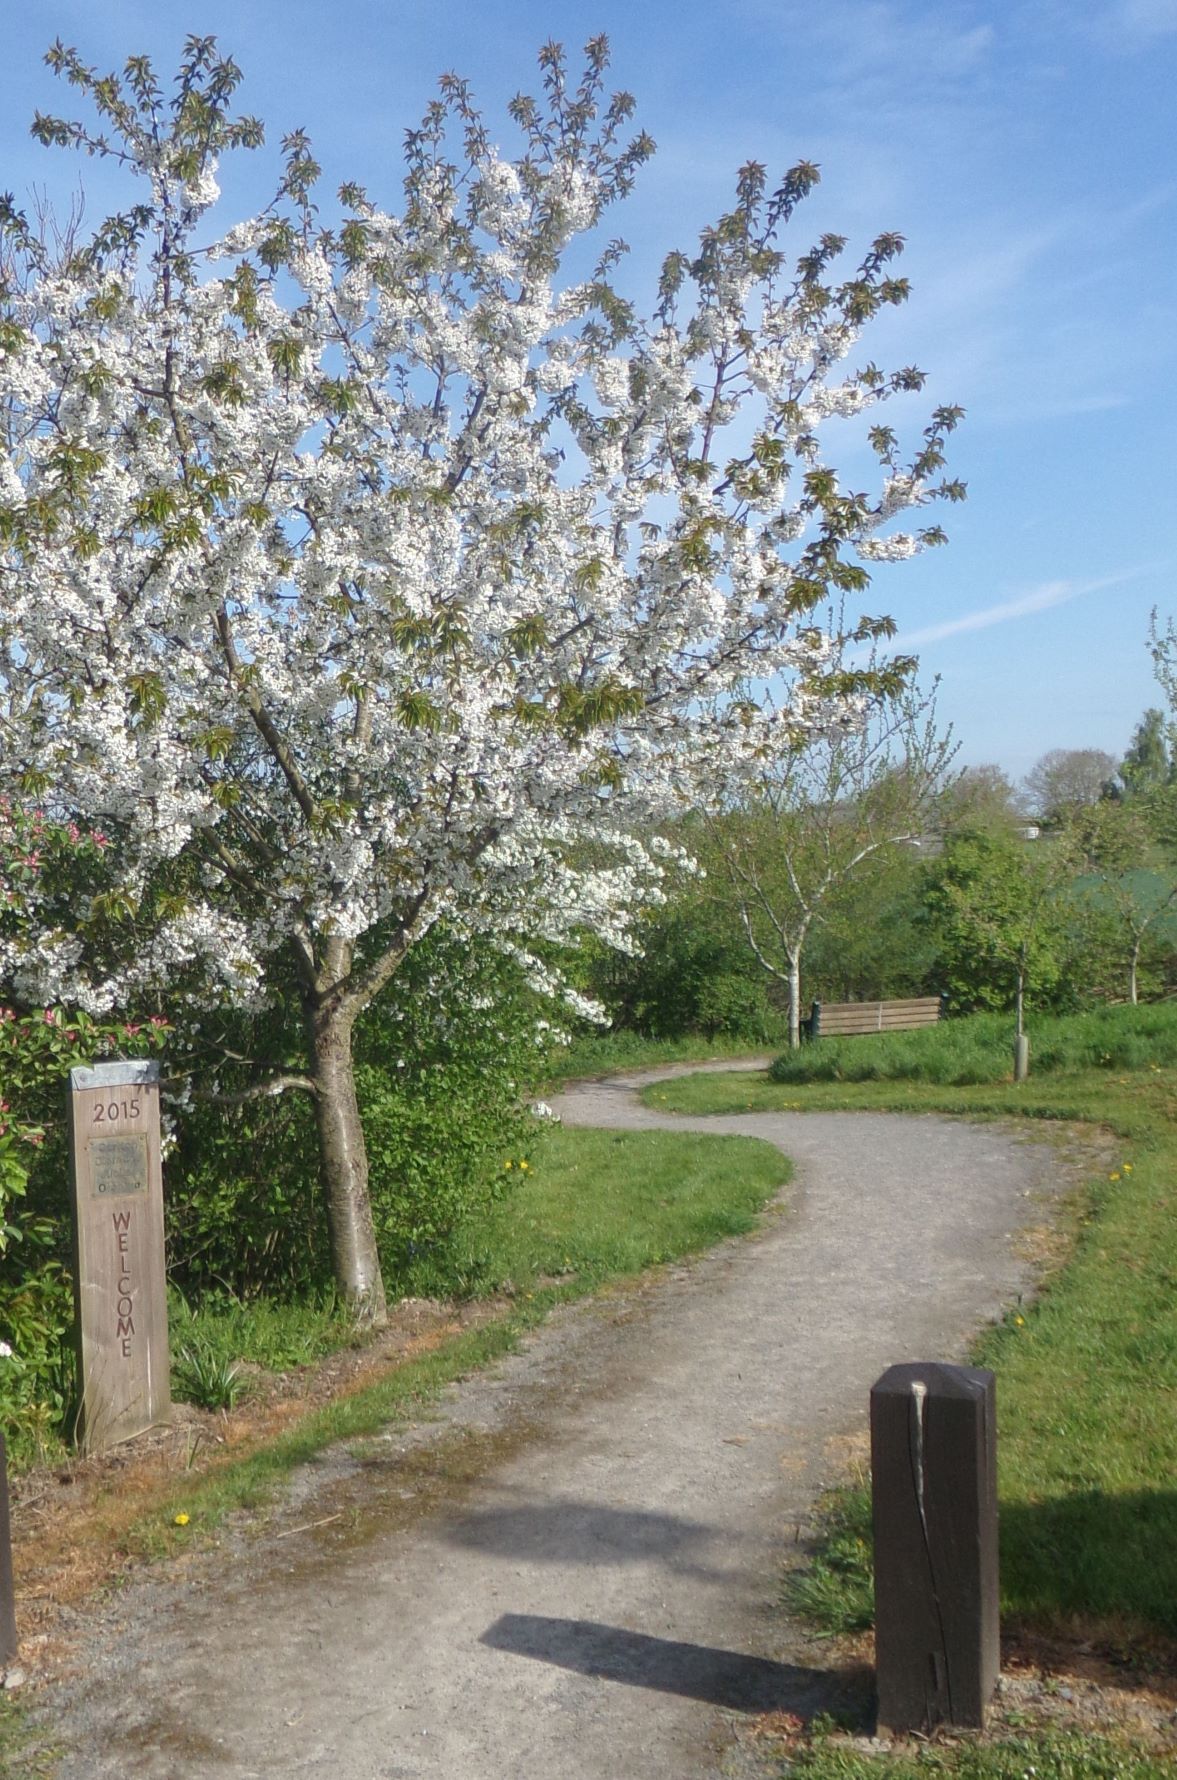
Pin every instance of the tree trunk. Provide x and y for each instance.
(343, 1166)
(1132, 973)
(795, 1003)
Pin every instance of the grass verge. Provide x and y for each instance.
(1087, 1376)
(1051, 1756)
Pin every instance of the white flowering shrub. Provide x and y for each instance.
(357, 571)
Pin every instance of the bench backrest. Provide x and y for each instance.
(839, 1019)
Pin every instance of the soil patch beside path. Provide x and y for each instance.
(574, 1571)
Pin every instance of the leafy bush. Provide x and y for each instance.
(444, 1066)
(443, 1063)
(37, 1384)
(693, 974)
(242, 1200)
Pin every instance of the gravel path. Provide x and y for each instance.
(574, 1573)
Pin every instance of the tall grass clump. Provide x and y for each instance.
(978, 1048)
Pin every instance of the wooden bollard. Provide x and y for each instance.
(7, 1591)
(934, 1462)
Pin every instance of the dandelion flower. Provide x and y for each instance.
(180, 1520)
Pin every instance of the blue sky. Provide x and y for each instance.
(1025, 148)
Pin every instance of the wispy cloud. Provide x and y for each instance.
(1038, 599)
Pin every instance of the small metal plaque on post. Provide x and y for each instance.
(934, 1467)
(122, 1328)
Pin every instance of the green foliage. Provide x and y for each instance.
(874, 942)
(438, 1145)
(980, 797)
(693, 974)
(442, 1071)
(243, 1215)
(443, 1063)
(1148, 764)
(37, 1386)
(997, 906)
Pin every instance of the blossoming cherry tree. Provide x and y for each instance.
(355, 574)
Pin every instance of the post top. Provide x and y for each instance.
(937, 1377)
(113, 1075)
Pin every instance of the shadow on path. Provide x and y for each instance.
(696, 1671)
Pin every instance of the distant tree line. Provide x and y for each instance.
(865, 867)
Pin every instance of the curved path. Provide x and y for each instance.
(574, 1573)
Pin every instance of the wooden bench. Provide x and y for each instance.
(844, 1019)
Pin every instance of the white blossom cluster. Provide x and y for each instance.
(384, 577)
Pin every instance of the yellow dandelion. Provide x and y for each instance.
(1125, 1167)
(1020, 1322)
(508, 1164)
(525, 1166)
(1114, 1176)
(180, 1520)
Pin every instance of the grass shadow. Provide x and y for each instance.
(1093, 1556)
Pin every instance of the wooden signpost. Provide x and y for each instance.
(121, 1300)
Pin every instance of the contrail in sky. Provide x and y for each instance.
(1039, 599)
